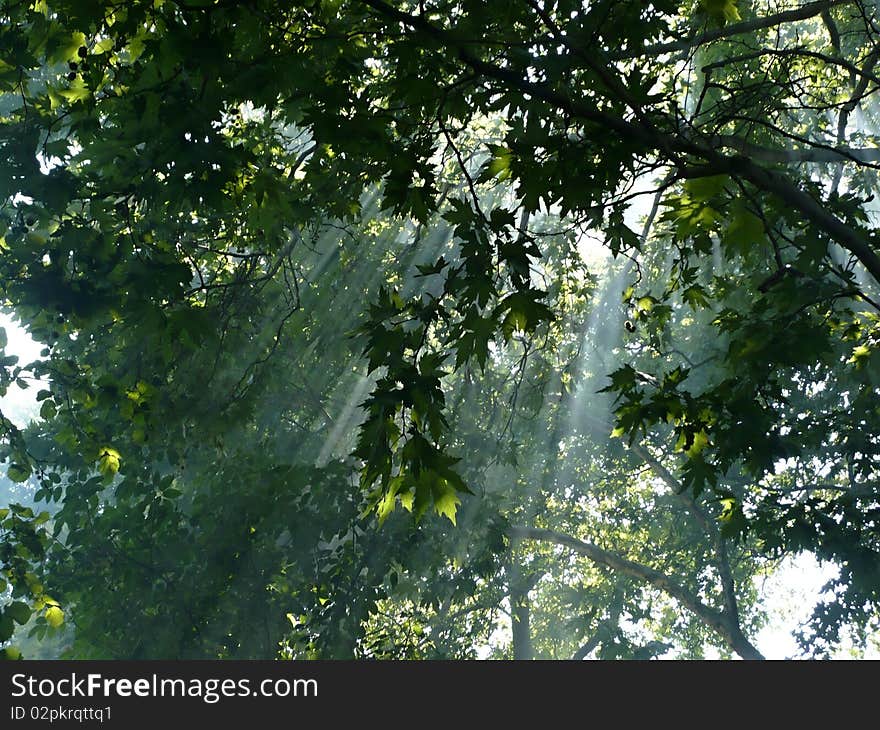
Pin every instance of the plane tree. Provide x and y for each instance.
(170, 164)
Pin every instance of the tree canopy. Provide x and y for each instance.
(370, 327)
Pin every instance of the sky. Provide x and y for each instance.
(19, 405)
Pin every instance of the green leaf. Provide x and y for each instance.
(702, 189)
(498, 165)
(19, 611)
(446, 502)
(47, 410)
(524, 312)
(723, 11)
(386, 505)
(7, 626)
(76, 91)
(744, 231)
(621, 379)
(860, 356)
(728, 509)
(108, 461)
(700, 441)
(103, 47)
(54, 616)
(18, 472)
(66, 49)
(695, 296)
(733, 520)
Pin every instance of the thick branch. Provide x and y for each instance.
(716, 620)
(521, 625)
(809, 10)
(677, 148)
(772, 182)
(810, 154)
(585, 649)
(728, 587)
(866, 73)
(673, 484)
(604, 630)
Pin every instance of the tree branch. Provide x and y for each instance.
(586, 648)
(603, 630)
(720, 622)
(747, 26)
(677, 147)
(866, 72)
(728, 586)
(811, 154)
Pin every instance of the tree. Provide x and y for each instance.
(202, 196)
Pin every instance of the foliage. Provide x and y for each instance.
(296, 265)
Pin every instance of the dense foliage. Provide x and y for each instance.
(373, 326)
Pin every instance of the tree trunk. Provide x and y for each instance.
(519, 617)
